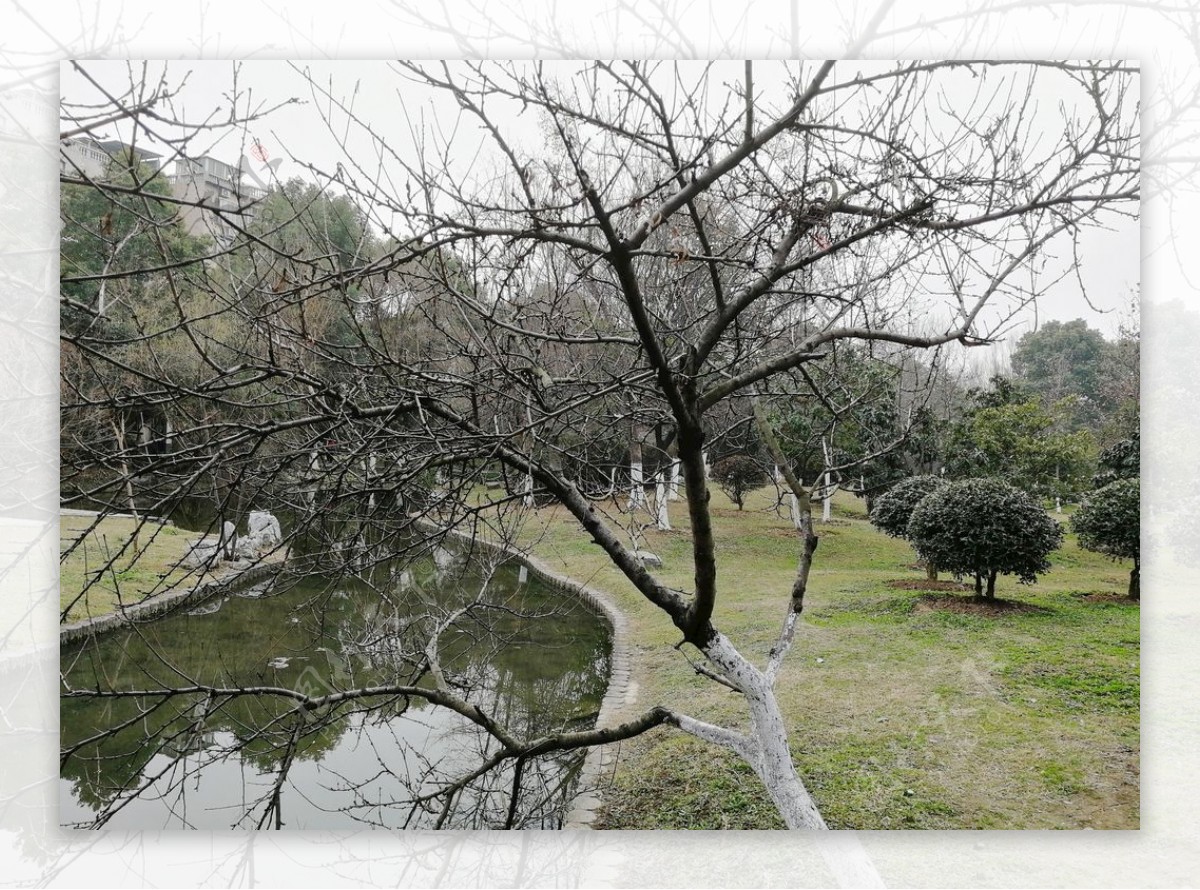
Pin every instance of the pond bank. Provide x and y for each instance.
(622, 692)
(160, 604)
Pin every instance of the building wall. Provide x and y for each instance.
(82, 156)
(219, 185)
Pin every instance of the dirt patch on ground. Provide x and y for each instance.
(926, 584)
(1118, 598)
(969, 605)
(832, 528)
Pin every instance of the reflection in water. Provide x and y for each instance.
(533, 659)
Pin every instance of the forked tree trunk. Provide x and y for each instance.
(765, 747)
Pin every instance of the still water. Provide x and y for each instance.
(532, 657)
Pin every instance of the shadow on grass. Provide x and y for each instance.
(926, 584)
(970, 605)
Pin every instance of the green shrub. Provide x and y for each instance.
(1109, 522)
(738, 475)
(984, 528)
(892, 510)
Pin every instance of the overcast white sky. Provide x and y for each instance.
(1109, 262)
(1163, 35)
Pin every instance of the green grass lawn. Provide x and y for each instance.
(110, 575)
(908, 708)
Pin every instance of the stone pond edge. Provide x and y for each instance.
(621, 694)
(156, 606)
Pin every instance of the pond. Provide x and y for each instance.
(533, 657)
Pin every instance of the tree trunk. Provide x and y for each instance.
(371, 480)
(979, 585)
(827, 492)
(662, 517)
(118, 427)
(637, 493)
(314, 472)
(527, 499)
(1135, 581)
(991, 585)
(931, 571)
(766, 746)
(674, 485)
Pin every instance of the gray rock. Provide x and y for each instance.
(202, 554)
(265, 527)
(264, 535)
(443, 558)
(649, 559)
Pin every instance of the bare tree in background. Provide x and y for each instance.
(674, 254)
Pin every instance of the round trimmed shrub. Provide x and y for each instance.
(892, 510)
(984, 528)
(1109, 522)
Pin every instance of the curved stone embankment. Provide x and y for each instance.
(184, 598)
(622, 692)
(618, 700)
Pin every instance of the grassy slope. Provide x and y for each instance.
(903, 715)
(134, 574)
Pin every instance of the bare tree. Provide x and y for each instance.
(677, 240)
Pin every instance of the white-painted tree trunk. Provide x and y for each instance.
(704, 457)
(827, 491)
(795, 502)
(674, 485)
(662, 517)
(637, 490)
(371, 481)
(528, 499)
(314, 472)
(765, 747)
